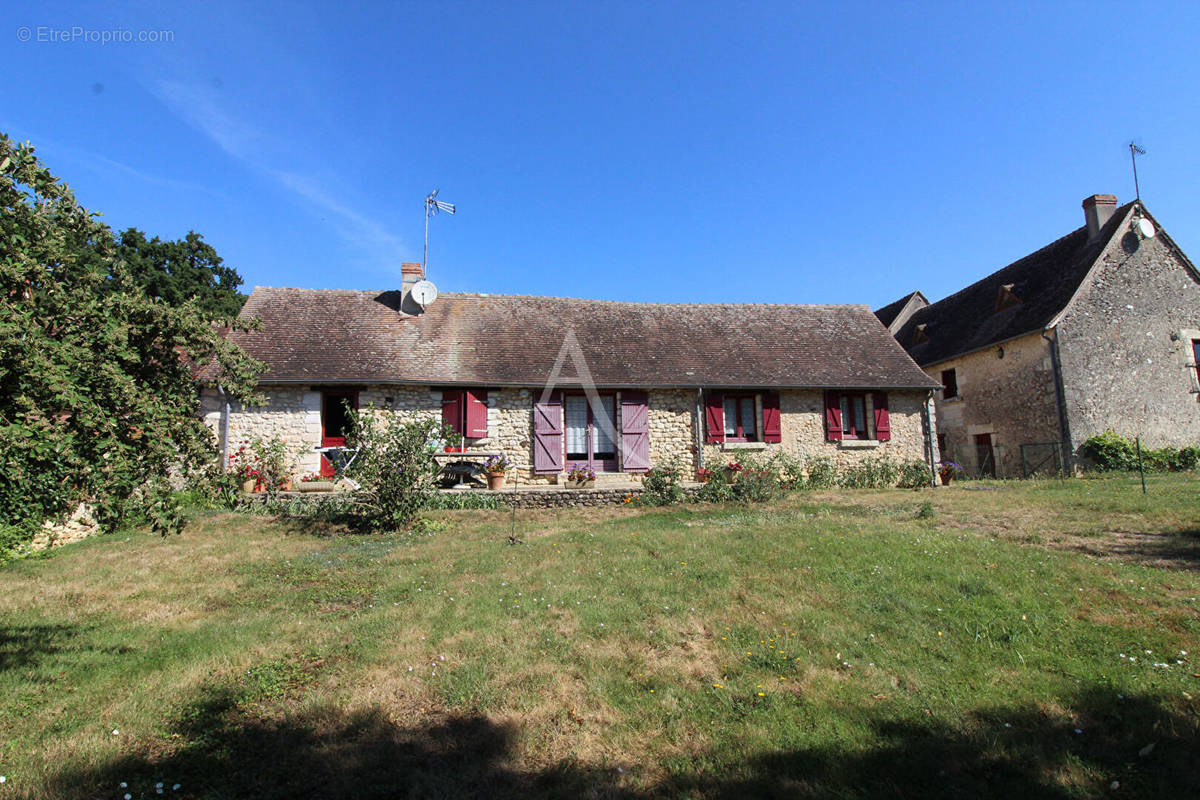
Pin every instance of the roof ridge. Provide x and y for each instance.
(490, 295)
(1119, 212)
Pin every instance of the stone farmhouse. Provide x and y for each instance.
(556, 383)
(1098, 330)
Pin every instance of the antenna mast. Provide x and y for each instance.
(432, 207)
(1134, 152)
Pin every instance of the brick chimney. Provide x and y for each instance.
(410, 273)
(1097, 210)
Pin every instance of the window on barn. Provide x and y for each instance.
(857, 415)
(1196, 357)
(465, 412)
(740, 419)
(919, 334)
(949, 384)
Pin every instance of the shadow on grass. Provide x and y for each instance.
(26, 645)
(1169, 549)
(228, 751)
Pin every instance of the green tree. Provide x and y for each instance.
(98, 401)
(182, 270)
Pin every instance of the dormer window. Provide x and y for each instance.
(1005, 297)
(919, 334)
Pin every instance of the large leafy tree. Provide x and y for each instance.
(178, 271)
(98, 401)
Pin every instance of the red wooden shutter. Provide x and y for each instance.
(883, 422)
(476, 414)
(452, 409)
(771, 429)
(833, 416)
(548, 435)
(714, 415)
(635, 432)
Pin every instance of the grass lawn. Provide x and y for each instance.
(1005, 639)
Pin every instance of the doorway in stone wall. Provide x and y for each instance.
(335, 422)
(985, 456)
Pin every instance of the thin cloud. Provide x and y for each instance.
(198, 107)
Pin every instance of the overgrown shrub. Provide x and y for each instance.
(821, 473)
(914, 475)
(1111, 452)
(661, 485)
(394, 466)
(870, 473)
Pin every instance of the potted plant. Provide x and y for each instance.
(581, 477)
(948, 471)
(316, 482)
(495, 467)
(703, 475)
(732, 470)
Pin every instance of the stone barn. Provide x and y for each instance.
(1098, 330)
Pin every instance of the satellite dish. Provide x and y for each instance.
(424, 293)
(1145, 228)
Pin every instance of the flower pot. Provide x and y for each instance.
(946, 478)
(317, 486)
(581, 484)
(248, 485)
(495, 480)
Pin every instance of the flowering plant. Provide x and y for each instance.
(314, 477)
(581, 474)
(733, 466)
(949, 468)
(496, 465)
(704, 475)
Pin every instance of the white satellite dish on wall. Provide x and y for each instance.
(1145, 228)
(423, 293)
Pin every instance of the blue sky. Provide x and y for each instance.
(733, 152)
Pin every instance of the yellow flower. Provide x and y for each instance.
(760, 694)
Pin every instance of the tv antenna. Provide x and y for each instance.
(432, 207)
(1134, 152)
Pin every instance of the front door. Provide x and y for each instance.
(335, 422)
(589, 441)
(984, 455)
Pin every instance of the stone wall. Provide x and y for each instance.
(1007, 391)
(1126, 346)
(294, 415)
(80, 525)
(802, 432)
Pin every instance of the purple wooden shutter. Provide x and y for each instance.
(476, 414)
(635, 432)
(833, 416)
(771, 430)
(548, 436)
(452, 400)
(883, 421)
(714, 415)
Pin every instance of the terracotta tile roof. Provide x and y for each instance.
(317, 336)
(1043, 281)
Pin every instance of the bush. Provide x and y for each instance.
(661, 485)
(395, 467)
(822, 474)
(1111, 452)
(870, 473)
(914, 475)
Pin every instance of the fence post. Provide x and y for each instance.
(1141, 467)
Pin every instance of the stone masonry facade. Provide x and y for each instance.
(1128, 334)
(1007, 391)
(294, 415)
